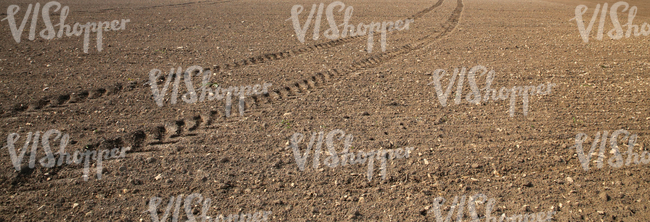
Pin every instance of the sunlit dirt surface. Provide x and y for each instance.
(525, 160)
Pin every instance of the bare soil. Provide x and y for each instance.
(244, 164)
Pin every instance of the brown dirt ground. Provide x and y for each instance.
(102, 100)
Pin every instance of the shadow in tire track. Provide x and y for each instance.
(177, 128)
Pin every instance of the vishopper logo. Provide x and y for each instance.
(154, 202)
(49, 33)
(616, 160)
(475, 97)
(191, 97)
(333, 32)
(617, 32)
(50, 161)
(472, 206)
(347, 157)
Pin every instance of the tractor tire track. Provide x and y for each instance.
(170, 132)
(164, 133)
(62, 100)
(309, 49)
(85, 95)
